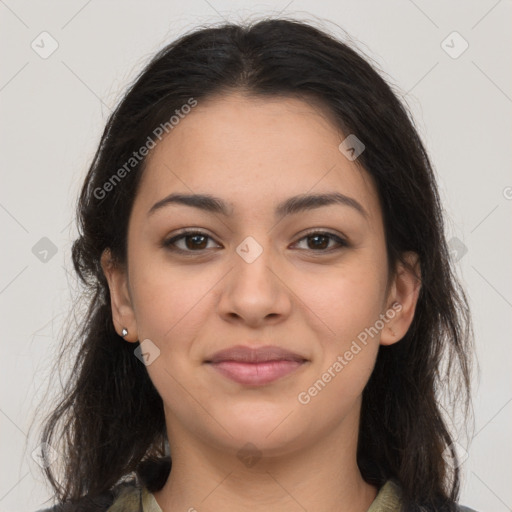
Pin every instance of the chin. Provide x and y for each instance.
(274, 429)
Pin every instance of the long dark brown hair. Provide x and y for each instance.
(110, 422)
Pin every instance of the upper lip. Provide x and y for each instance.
(246, 354)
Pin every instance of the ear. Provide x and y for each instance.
(402, 299)
(123, 315)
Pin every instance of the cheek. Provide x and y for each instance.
(345, 302)
(340, 384)
(169, 301)
(349, 306)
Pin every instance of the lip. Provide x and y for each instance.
(255, 366)
(244, 354)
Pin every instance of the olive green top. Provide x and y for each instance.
(130, 500)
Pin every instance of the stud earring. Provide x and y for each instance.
(124, 332)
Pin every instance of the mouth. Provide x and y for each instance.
(255, 366)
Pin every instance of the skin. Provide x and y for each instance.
(254, 153)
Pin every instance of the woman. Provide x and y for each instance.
(272, 306)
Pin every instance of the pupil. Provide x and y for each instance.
(194, 244)
(321, 245)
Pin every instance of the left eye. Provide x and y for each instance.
(321, 240)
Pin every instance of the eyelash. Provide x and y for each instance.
(169, 243)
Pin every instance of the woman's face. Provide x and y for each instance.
(271, 266)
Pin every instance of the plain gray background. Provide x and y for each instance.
(53, 110)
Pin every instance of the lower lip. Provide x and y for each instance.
(255, 374)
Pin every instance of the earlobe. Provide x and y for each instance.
(402, 299)
(123, 315)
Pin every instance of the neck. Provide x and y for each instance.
(323, 477)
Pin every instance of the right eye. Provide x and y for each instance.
(193, 241)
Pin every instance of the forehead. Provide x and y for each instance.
(254, 152)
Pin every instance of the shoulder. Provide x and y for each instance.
(125, 493)
(389, 499)
(129, 494)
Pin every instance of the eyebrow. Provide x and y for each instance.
(290, 206)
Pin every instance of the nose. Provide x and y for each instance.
(255, 291)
